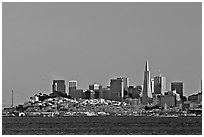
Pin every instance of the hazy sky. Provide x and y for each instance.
(94, 42)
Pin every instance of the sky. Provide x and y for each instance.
(95, 42)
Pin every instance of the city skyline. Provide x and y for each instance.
(66, 88)
(94, 42)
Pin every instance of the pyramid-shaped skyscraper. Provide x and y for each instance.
(146, 93)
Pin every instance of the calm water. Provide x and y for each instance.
(101, 125)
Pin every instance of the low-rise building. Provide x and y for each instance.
(193, 98)
(200, 97)
(169, 99)
(156, 99)
(106, 93)
(76, 93)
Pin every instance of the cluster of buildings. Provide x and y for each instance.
(119, 98)
(153, 92)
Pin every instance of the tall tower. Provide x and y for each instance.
(12, 99)
(58, 86)
(152, 85)
(125, 86)
(146, 94)
(201, 86)
(159, 84)
(117, 89)
(72, 84)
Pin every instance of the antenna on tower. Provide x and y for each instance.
(12, 98)
(201, 86)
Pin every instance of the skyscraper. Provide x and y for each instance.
(125, 83)
(73, 91)
(159, 84)
(178, 86)
(116, 89)
(97, 90)
(58, 86)
(152, 85)
(72, 84)
(201, 85)
(95, 86)
(146, 94)
(125, 86)
(106, 93)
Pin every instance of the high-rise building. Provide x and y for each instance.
(178, 86)
(146, 93)
(134, 92)
(201, 85)
(125, 83)
(106, 93)
(59, 86)
(73, 91)
(125, 86)
(97, 90)
(95, 86)
(116, 89)
(72, 84)
(152, 85)
(159, 85)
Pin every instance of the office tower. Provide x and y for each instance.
(134, 92)
(97, 90)
(152, 85)
(72, 84)
(178, 86)
(159, 85)
(106, 93)
(12, 98)
(146, 94)
(95, 86)
(138, 91)
(58, 86)
(116, 89)
(201, 86)
(125, 84)
(73, 91)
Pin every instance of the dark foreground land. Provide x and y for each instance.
(102, 125)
